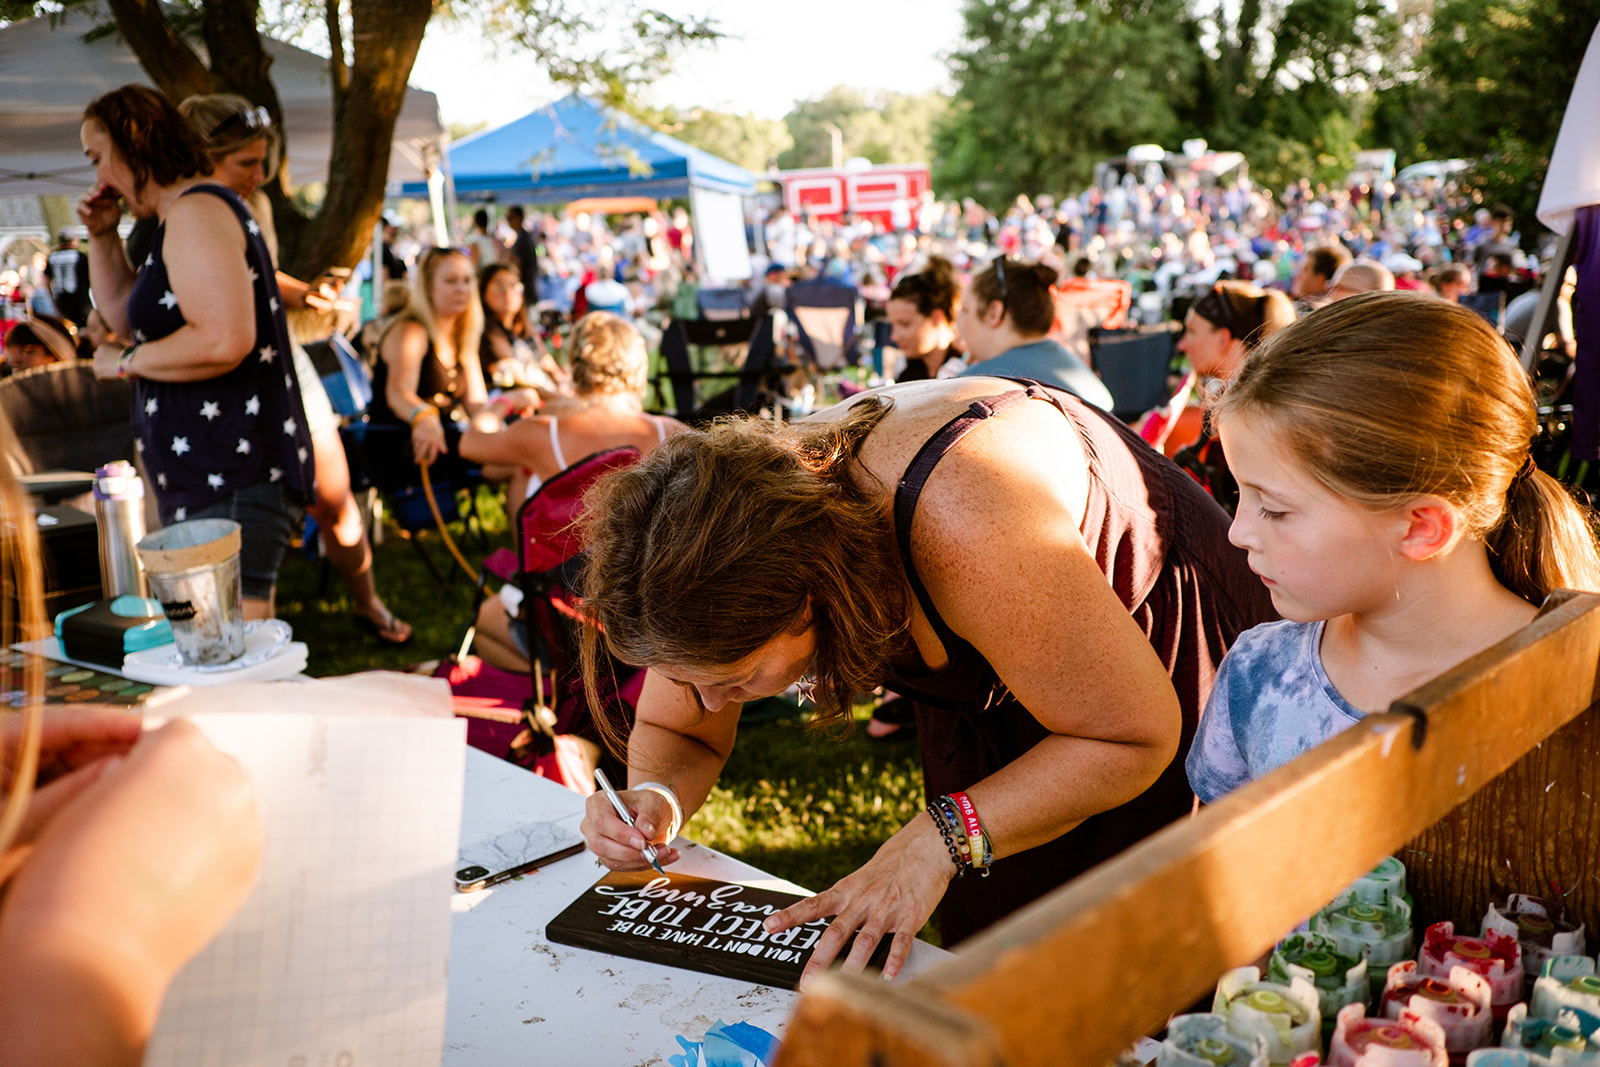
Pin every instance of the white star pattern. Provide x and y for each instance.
(150, 406)
(138, 445)
(254, 277)
(209, 410)
(275, 472)
(288, 381)
(288, 426)
(180, 445)
(168, 300)
(255, 231)
(138, 335)
(150, 260)
(252, 406)
(214, 481)
(273, 303)
(244, 446)
(268, 354)
(301, 452)
(181, 514)
(161, 480)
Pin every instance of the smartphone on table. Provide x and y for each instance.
(517, 851)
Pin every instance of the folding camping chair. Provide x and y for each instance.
(825, 313)
(1134, 364)
(65, 418)
(379, 455)
(755, 375)
(543, 721)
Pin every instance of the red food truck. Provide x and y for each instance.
(869, 191)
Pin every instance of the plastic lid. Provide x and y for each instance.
(1321, 963)
(1562, 1037)
(1385, 1035)
(1586, 983)
(1434, 989)
(1470, 949)
(1534, 925)
(1213, 1050)
(1268, 1000)
(1367, 913)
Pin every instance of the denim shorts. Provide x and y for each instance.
(262, 512)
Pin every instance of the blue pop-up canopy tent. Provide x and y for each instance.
(576, 148)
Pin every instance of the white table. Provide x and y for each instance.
(517, 998)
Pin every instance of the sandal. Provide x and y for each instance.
(391, 631)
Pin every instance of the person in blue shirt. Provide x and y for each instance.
(1005, 319)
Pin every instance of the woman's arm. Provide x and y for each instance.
(111, 276)
(996, 542)
(404, 349)
(675, 743)
(525, 443)
(471, 369)
(204, 253)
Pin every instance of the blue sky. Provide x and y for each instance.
(777, 53)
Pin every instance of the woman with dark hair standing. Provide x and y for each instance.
(1053, 593)
(217, 416)
(922, 315)
(1006, 316)
(243, 145)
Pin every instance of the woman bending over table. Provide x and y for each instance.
(609, 366)
(217, 416)
(1054, 594)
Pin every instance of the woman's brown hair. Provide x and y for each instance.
(933, 288)
(722, 539)
(1248, 313)
(1385, 397)
(1025, 291)
(21, 619)
(520, 326)
(152, 137)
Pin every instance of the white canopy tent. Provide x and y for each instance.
(49, 73)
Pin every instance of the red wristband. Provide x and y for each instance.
(969, 819)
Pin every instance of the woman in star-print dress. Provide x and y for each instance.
(217, 415)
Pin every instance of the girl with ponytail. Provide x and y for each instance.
(1389, 501)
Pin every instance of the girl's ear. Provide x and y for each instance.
(1432, 528)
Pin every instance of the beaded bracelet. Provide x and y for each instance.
(979, 841)
(422, 411)
(949, 835)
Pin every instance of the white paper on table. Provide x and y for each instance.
(340, 956)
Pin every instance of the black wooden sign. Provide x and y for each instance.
(697, 924)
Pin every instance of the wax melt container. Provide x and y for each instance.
(1541, 929)
(1559, 1039)
(1459, 1004)
(1380, 930)
(1339, 979)
(1563, 968)
(1551, 995)
(1202, 1040)
(1286, 1016)
(1410, 1041)
(1495, 956)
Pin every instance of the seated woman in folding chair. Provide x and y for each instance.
(1053, 593)
(608, 366)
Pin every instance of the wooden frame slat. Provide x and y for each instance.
(1081, 974)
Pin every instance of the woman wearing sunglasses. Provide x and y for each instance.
(242, 144)
(217, 415)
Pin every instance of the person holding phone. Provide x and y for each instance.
(242, 144)
(217, 414)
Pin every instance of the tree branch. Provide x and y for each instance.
(164, 55)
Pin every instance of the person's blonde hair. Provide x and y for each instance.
(722, 539)
(607, 355)
(210, 115)
(1385, 397)
(419, 304)
(21, 618)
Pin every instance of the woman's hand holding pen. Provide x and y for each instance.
(892, 896)
(619, 846)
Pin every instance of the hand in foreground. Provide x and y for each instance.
(74, 747)
(619, 846)
(108, 362)
(99, 211)
(427, 439)
(125, 883)
(892, 896)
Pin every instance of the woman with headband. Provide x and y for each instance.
(1222, 327)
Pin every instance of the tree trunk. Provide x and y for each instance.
(367, 98)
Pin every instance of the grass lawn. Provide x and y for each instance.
(798, 804)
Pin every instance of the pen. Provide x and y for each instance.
(622, 813)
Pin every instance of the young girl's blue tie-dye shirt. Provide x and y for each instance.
(1271, 702)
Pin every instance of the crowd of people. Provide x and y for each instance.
(1083, 634)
